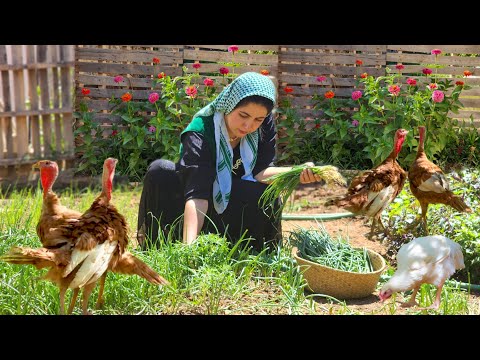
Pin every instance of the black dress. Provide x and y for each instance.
(167, 186)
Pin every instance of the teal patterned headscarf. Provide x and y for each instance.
(247, 84)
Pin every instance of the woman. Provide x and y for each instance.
(226, 153)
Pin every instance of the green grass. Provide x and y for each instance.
(207, 277)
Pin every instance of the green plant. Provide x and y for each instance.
(147, 129)
(382, 105)
(291, 129)
(442, 220)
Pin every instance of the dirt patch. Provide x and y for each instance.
(312, 199)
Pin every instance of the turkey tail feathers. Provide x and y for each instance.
(458, 204)
(19, 255)
(131, 265)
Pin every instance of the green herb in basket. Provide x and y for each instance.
(282, 185)
(316, 245)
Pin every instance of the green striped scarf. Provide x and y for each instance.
(245, 85)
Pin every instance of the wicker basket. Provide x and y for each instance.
(341, 284)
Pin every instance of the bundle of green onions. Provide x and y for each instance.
(316, 245)
(282, 185)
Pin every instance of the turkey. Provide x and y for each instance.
(54, 214)
(424, 260)
(98, 245)
(372, 191)
(429, 185)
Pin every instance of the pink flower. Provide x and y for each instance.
(411, 82)
(153, 97)
(436, 52)
(152, 129)
(437, 96)
(355, 122)
(432, 86)
(394, 90)
(321, 78)
(427, 71)
(224, 70)
(118, 79)
(191, 91)
(233, 48)
(400, 66)
(197, 66)
(356, 95)
(208, 82)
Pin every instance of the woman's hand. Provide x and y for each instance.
(307, 175)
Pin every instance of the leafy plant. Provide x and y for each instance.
(382, 105)
(148, 129)
(291, 128)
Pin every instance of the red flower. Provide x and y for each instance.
(85, 91)
(265, 72)
(156, 60)
(288, 89)
(411, 82)
(126, 97)
(359, 62)
(224, 70)
(400, 66)
(317, 126)
(161, 75)
(459, 83)
(432, 86)
(208, 82)
(233, 48)
(427, 71)
(364, 75)
(329, 94)
(467, 73)
(114, 132)
(197, 66)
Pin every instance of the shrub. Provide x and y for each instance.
(149, 128)
(381, 106)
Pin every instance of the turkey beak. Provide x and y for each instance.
(36, 166)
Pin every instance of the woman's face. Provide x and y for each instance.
(245, 119)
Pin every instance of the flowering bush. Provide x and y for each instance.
(148, 128)
(291, 128)
(383, 105)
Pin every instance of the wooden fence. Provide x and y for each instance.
(97, 65)
(35, 105)
(296, 66)
(300, 65)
